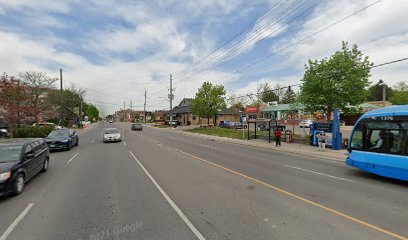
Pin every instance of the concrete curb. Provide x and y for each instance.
(241, 142)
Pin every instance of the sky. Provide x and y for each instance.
(117, 49)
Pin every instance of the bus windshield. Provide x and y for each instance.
(382, 135)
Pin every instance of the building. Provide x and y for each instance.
(228, 114)
(283, 111)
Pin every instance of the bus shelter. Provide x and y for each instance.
(261, 128)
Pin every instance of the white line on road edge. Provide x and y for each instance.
(207, 146)
(14, 224)
(92, 141)
(72, 158)
(172, 204)
(348, 180)
(124, 143)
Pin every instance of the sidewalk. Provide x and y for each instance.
(295, 148)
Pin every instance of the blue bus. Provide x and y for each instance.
(379, 142)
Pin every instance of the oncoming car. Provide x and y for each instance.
(111, 135)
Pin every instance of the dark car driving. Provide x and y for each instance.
(20, 160)
(136, 127)
(62, 139)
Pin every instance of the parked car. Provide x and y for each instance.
(63, 138)
(4, 133)
(20, 160)
(136, 127)
(306, 123)
(111, 135)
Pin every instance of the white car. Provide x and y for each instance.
(111, 135)
(306, 123)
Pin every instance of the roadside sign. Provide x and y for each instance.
(251, 109)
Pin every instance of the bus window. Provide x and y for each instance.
(357, 139)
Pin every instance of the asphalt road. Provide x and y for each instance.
(157, 184)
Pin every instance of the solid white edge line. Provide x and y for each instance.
(14, 224)
(206, 146)
(172, 204)
(72, 158)
(339, 178)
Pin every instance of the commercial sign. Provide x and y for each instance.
(251, 109)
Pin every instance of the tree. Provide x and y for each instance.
(266, 93)
(290, 96)
(91, 111)
(376, 91)
(336, 82)
(400, 96)
(37, 87)
(208, 101)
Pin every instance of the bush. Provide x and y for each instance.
(31, 132)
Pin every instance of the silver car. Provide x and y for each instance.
(111, 135)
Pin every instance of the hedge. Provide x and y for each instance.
(31, 132)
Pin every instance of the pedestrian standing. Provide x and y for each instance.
(278, 135)
(321, 138)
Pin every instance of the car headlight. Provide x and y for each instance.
(65, 141)
(4, 176)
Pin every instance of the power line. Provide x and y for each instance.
(299, 41)
(229, 40)
(246, 44)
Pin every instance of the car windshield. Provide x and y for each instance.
(59, 133)
(10, 153)
(110, 131)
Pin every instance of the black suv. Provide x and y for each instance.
(136, 127)
(20, 160)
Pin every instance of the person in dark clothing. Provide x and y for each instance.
(278, 135)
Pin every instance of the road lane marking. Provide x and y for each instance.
(124, 143)
(171, 202)
(92, 141)
(172, 137)
(336, 212)
(72, 158)
(207, 146)
(14, 224)
(151, 139)
(327, 175)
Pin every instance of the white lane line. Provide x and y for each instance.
(72, 158)
(124, 143)
(339, 178)
(207, 146)
(172, 204)
(92, 141)
(14, 224)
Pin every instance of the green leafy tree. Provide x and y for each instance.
(91, 111)
(336, 82)
(289, 96)
(266, 93)
(208, 101)
(376, 91)
(400, 96)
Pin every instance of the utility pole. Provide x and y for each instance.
(124, 111)
(171, 96)
(131, 111)
(62, 100)
(80, 111)
(144, 108)
(18, 103)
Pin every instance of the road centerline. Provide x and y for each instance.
(318, 173)
(170, 201)
(14, 224)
